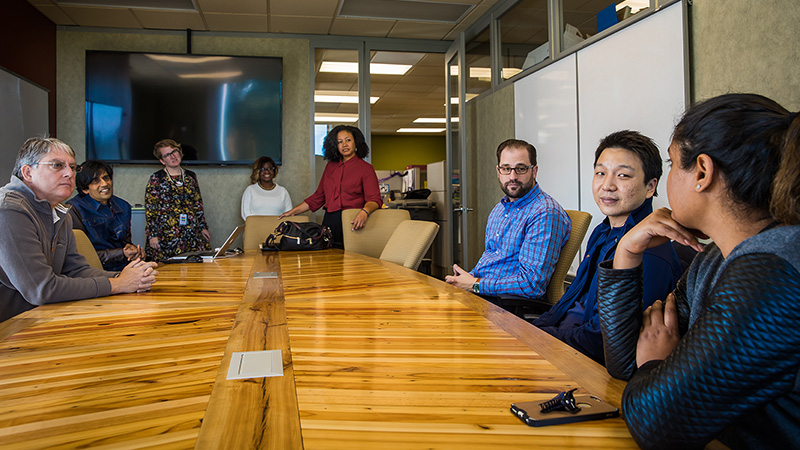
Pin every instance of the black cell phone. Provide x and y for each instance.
(592, 408)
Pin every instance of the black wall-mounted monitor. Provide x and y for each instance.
(221, 109)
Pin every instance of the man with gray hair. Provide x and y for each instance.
(39, 260)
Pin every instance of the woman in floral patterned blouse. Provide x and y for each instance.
(176, 222)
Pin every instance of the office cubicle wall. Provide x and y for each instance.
(632, 79)
(23, 113)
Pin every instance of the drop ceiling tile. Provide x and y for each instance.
(421, 30)
(299, 25)
(361, 27)
(233, 6)
(311, 8)
(169, 20)
(257, 23)
(55, 14)
(102, 17)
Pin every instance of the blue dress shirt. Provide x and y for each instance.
(523, 241)
(107, 226)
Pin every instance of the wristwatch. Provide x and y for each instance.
(476, 288)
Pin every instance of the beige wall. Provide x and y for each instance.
(490, 121)
(746, 46)
(221, 187)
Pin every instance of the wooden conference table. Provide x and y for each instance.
(374, 356)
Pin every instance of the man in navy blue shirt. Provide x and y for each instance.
(627, 167)
(104, 217)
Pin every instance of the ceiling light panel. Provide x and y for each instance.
(414, 10)
(179, 5)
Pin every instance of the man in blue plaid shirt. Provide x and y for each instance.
(524, 234)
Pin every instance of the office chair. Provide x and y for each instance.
(409, 243)
(257, 228)
(371, 239)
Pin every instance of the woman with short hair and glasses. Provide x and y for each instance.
(176, 222)
(264, 197)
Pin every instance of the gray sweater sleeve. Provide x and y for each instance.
(45, 272)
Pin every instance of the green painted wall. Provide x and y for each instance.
(397, 152)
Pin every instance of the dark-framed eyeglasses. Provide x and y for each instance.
(520, 170)
(267, 169)
(175, 152)
(58, 166)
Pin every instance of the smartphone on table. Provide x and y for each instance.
(592, 408)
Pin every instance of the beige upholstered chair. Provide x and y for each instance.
(580, 224)
(409, 242)
(555, 288)
(257, 228)
(86, 249)
(371, 239)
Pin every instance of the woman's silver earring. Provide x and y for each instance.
(698, 187)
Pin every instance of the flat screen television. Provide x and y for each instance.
(221, 109)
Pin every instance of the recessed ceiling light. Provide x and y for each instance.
(335, 117)
(434, 120)
(180, 5)
(339, 97)
(420, 130)
(374, 68)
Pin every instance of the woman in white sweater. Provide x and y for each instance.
(264, 197)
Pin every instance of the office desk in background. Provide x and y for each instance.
(375, 356)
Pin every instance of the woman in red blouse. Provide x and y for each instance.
(348, 182)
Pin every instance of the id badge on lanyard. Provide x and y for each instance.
(183, 220)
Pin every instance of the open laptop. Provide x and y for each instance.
(213, 254)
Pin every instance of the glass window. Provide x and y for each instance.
(584, 19)
(335, 91)
(523, 36)
(410, 93)
(479, 64)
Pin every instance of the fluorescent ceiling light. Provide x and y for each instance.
(434, 120)
(374, 68)
(187, 59)
(485, 73)
(335, 117)
(339, 97)
(454, 100)
(211, 75)
(420, 130)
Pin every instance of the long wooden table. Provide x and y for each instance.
(374, 355)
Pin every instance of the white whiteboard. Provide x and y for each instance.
(632, 79)
(546, 104)
(23, 114)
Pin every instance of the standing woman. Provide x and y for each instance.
(348, 182)
(264, 197)
(720, 357)
(176, 222)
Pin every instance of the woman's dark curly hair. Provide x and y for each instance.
(330, 146)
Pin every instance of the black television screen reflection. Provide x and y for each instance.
(221, 109)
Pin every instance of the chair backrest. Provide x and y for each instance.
(371, 239)
(580, 224)
(257, 228)
(409, 242)
(86, 249)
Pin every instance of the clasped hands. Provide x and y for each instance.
(137, 276)
(659, 334)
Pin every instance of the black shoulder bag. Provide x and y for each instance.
(291, 236)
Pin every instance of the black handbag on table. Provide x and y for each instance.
(291, 236)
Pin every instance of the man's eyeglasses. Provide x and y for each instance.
(58, 166)
(268, 169)
(520, 170)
